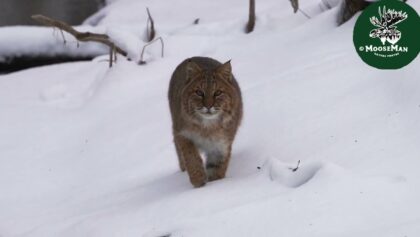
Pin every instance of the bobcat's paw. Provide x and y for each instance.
(198, 181)
(215, 177)
(214, 173)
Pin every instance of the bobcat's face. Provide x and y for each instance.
(209, 93)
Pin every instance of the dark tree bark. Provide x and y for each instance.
(349, 8)
(251, 21)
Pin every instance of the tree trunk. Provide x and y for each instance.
(349, 8)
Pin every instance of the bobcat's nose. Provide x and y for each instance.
(208, 110)
(212, 110)
(208, 103)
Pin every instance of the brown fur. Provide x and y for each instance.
(206, 108)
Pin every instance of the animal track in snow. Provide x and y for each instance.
(283, 173)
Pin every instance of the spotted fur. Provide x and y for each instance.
(206, 108)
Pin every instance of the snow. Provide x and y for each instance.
(21, 41)
(87, 151)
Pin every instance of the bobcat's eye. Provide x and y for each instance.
(199, 93)
(217, 93)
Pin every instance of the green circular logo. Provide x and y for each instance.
(387, 34)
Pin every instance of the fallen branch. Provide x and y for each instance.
(80, 36)
(141, 62)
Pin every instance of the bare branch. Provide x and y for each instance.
(304, 13)
(141, 62)
(111, 58)
(62, 35)
(326, 4)
(295, 5)
(150, 33)
(80, 36)
(251, 21)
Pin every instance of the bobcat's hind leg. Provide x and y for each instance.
(192, 161)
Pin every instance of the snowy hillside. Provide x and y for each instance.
(87, 151)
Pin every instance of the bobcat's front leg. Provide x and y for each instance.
(179, 153)
(217, 163)
(192, 161)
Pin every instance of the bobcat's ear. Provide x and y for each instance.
(225, 71)
(192, 70)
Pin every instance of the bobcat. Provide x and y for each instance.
(206, 108)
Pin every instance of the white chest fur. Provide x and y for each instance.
(207, 144)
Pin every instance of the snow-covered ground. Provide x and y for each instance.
(87, 151)
(33, 41)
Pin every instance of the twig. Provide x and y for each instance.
(326, 4)
(115, 55)
(150, 34)
(80, 36)
(111, 59)
(304, 13)
(165, 235)
(62, 35)
(141, 62)
(295, 6)
(297, 167)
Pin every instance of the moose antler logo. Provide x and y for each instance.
(387, 29)
(390, 40)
